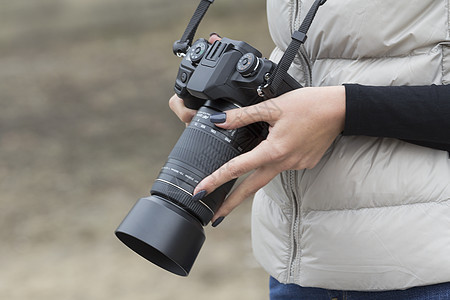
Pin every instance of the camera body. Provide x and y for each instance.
(166, 228)
(226, 70)
(209, 72)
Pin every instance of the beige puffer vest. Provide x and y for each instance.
(374, 214)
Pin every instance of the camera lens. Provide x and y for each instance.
(166, 228)
(200, 150)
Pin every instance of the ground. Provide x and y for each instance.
(84, 130)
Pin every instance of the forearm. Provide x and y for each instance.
(418, 114)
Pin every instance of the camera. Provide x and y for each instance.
(166, 228)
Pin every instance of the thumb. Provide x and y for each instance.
(266, 111)
(214, 37)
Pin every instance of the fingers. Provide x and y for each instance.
(185, 114)
(214, 37)
(247, 188)
(267, 111)
(236, 167)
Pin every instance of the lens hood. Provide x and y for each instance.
(162, 233)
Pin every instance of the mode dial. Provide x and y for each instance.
(248, 64)
(198, 50)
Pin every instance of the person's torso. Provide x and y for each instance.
(374, 213)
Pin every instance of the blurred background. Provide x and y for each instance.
(84, 129)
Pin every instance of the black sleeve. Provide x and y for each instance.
(417, 114)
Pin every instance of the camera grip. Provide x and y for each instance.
(193, 102)
(189, 100)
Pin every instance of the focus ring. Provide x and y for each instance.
(184, 199)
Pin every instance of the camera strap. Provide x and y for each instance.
(181, 46)
(275, 81)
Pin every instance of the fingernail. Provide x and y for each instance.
(199, 196)
(214, 33)
(217, 222)
(218, 118)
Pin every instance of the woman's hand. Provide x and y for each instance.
(303, 125)
(185, 114)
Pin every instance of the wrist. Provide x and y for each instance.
(334, 104)
(340, 106)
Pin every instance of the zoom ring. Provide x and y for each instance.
(202, 151)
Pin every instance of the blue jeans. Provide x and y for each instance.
(279, 291)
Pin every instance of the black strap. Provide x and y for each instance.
(298, 38)
(181, 46)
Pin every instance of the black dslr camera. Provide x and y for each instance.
(166, 228)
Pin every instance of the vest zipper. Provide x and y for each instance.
(307, 66)
(295, 224)
(295, 22)
(302, 55)
(291, 180)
